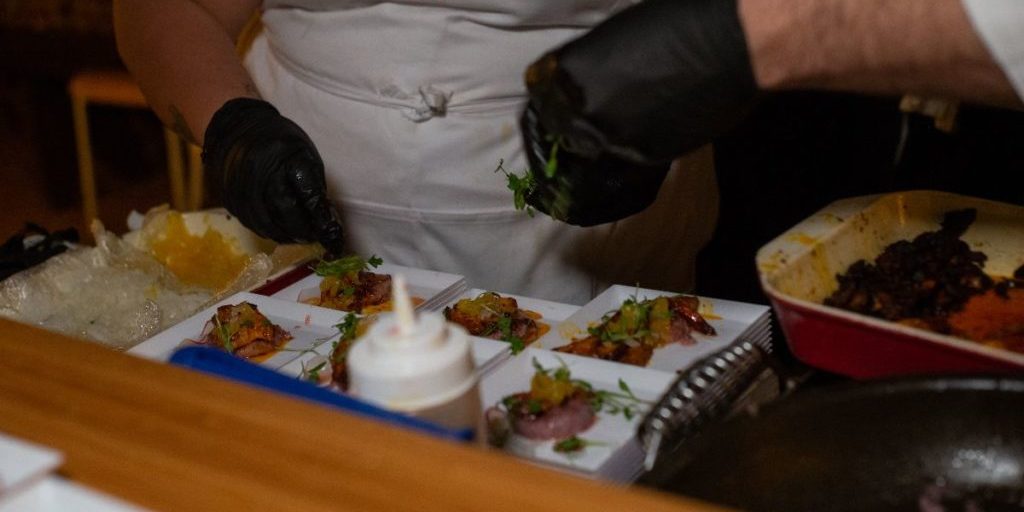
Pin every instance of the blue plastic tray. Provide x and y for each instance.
(220, 363)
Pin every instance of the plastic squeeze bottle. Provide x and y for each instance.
(421, 365)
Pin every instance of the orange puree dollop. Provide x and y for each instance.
(209, 260)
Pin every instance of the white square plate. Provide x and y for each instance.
(729, 318)
(433, 287)
(22, 462)
(488, 350)
(310, 326)
(55, 494)
(612, 434)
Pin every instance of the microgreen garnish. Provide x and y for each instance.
(224, 333)
(347, 327)
(313, 374)
(347, 330)
(573, 445)
(505, 327)
(554, 387)
(552, 166)
(609, 402)
(630, 322)
(521, 186)
(345, 265)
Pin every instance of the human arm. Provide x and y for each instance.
(182, 54)
(667, 76)
(925, 47)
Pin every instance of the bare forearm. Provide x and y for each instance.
(925, 47)
(182, 53)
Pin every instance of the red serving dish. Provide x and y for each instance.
(798, 270)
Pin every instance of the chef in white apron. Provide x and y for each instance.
(412, 105)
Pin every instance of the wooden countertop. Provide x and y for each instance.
(171, 439)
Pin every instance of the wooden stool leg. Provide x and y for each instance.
(86, 175)
(175, 169)
(195, 177)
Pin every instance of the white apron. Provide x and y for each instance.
(412, 104)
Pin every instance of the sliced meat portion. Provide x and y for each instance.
(355, 291)
(482, 316)
(632, 333)
(568, 419)
(634, 353)
(244, 331)
(687, 307)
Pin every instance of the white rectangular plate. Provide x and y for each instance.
(424, 284)
(552, 314)
(729, 318)
(612, 434)
(310, 326)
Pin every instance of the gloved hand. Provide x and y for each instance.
(270, 175)
(649, 84)
(584, 191)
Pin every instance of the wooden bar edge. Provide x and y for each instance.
(167, 438)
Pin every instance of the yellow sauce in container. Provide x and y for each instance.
(209, 260)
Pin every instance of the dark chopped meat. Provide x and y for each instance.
(927, 278)
(373, 289)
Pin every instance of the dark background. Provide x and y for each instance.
(42, 43)
(800, 151)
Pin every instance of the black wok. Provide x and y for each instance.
(916, 444)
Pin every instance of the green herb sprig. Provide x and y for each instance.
(642, 313)
(521, 186)
(610, 402)
(552, 164)
(313, 374)
(573, 445)
(346, 265)
(505, 326)
(224, 334)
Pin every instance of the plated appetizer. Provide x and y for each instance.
(348, 285)
(556, 408)
(490, 315)
(631, 333)
(243, 331)
(332, 369)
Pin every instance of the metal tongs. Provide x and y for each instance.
(707, 392)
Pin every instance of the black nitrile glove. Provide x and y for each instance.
(270, 175)
(649, 84)
(584, 191)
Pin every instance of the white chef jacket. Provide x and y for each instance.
(1000, 24)
(412, 104)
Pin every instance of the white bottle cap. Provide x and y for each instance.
(411, 363)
